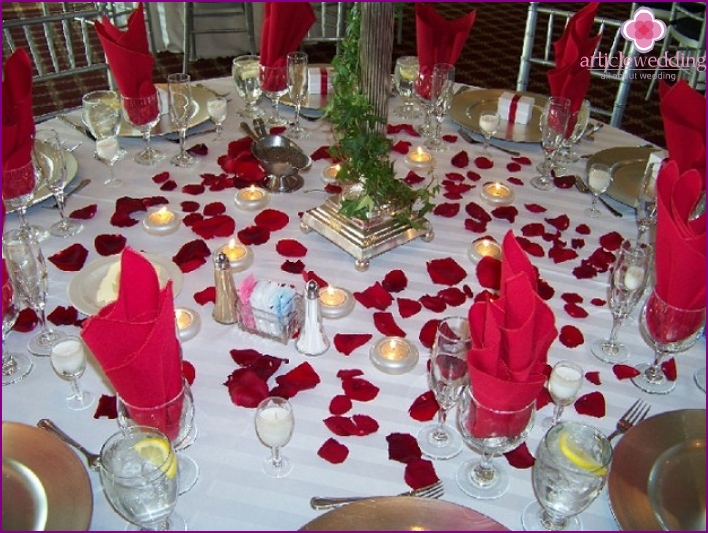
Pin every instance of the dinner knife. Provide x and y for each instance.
(78, 127)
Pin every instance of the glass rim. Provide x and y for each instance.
(598, 435)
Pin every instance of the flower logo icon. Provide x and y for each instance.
(643, 29)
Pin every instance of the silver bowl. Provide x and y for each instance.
(282, 160)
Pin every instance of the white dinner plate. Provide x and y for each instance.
(83, 286)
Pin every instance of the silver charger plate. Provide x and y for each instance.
(627, 165)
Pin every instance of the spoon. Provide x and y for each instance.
(93, 459)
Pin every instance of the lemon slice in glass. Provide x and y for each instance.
(409, 73)
(158, 452)
(578, 456)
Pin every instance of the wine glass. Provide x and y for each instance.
(421, 87)
(442, 84)
(599, 180)
(18, 189)
(297, 90)
(491, 432)
(554, 121)
(216, 108)
(28, 272)
(448, 376)
(571, 468)
(577, 124)
(245, 73)
(669, 330)
(48, 156)
(102, 115)
(68, 359)
(563, 385)
(139, 475)
(489, 124)
(404, 75)
(646, 201)
(15, 366)
(143, 113)
(179, 93)
(627, 283)
(274, 82)
(274, 427)
(175, 418)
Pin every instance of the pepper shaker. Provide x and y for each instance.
(312, 339)
(225, 301)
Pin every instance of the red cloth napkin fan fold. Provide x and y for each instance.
(285, 25)
(439, 40)
(17, 117)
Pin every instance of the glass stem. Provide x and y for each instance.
(557, 412)
(8, 363)
(296, 125)
(483, 473)
(552, 522)
(277, 459)
(276, 101)
(61, 200)
(76, 388)
(182, 138)
(594, 202)
(440, 434)
(616, 325)
(43, 320)
(654, 374)
(22, 212)
(146, 138)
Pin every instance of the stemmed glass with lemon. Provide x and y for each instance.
(404, 75)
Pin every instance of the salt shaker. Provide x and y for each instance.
(312, 339)
(225, 301)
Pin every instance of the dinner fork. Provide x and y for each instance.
(635, 414)
(430, 491)
(93, 459)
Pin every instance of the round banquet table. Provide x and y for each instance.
(232, 493)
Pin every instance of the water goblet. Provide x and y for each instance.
(646, 201)
(489, 124)
(143, 113)
(245, 73)
(274, 427)
(139, 475)
(101, 113)
(18, 189)
(274, 82)
(669, 330)
(175, 418)
(571, 468)
(628, 280)
(216, 108)
(297, 90)
(563, 385)
(599, 180)
(448, 376)
(15, 366)
(179, 92)
(48, 156)
(68, 359)
(554, 121)
(404, 75)
(491, 432)
(441, 87)
(28, 271)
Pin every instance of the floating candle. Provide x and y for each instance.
(394, 355)
(252, 198)
(240, 257)
(484, 247)
(419, 158)
(188, 323)
(329, 174)
(335, 302)
(161, 222)
(497, 193)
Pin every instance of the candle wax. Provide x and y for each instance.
(332, 297)
(487, 248)
(498, 190)
(394, 350)
(161, 217)
(251, 194)
(419, 156)
(184, 319)
(233, 252)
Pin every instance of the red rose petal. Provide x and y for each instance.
(290, 248)
(454, 176)
(515, 181)
(395, 281)
(403, 447)
(445, 271)
(162, 177)
(520, 457)
(535, 229)
(449, 138)
(169, 185)
(213, 209)
(346, 343)
(254, 235)
(401, 147)
(593, 377)
(572, 298)
(302, 377)
(321, 153)
(359, 389)
(26, 321)
(293, 267)
(473, 176)
(63, 316)
(271, 219)
(624, 371)
(483, 163)
(189, 206)
(374, 297)
(205, 296)
(591, 404)
(310, 275)
(543, 398)
(333, 451)
(522, 160)
(340, 404)
(452, 296)
(475, 226)
(424, 407)
(109, 244)
(193, 189)
(200, 149)
(505, 212)
(407, 308)
(246, 388)
(598, 302)
(583, 229)
(571, 336)
(669, 368)
(347, 373)
(413, 179)
(70, 259)
(561, 255)
(577, 244)
(564, 182)
(446, 210)
(386, 325)
(427, 332)
(513, 166)
(420, 473)
(489, 273)
(575, 311)
(535, 208)
(191, 256)
(611, 241)
(189, 372)
(433, 303)
(477, 212)
(342, 426)
(263, 365)
(107, 407)
(217, 226)
(365, 425)
(192, 218)
(561, 222)
(460, 160)
(85, 213)
(531, 248)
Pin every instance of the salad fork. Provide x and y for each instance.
(431, 491)
(635, 414)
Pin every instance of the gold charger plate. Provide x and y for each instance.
(45, 485)
(403, 513)
(627, 165)
(634, 465)
(201, 96)
(467, 107)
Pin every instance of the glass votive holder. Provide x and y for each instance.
(394, 355)
(497, 193)
(484, 247)
(335, 302)
(419, 159)
(188, 323)
(252, 198)
(239, 255)
(162, 221)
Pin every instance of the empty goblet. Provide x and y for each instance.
(179, 91)
(143, 113)
(554, 121)
(646, 201)
(274, 427)
(274, 82)
(18, 189)
(442, 83)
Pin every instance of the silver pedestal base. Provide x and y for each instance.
(277, 184)
(361, 240)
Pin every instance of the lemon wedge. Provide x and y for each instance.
(158, 452)
(409, 73)
(579, 457)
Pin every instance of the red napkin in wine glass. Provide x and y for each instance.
(17, 120)
(439, 40)
(285, 24)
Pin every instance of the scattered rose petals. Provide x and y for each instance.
(386, 325)
(271, 219)
(591, 404)
(564, 182)
(483, 163)
(505, 212)
(300, 378)
(290, 248)
(246, 388)
(407, 307)
(445, 271)
(392, 129)
(669, 368)
(427, 332)
(200, 149)
(254, 235)
(420, 473)
(403, 447)
(70, 259)
(375, 297)
(489, 273)
(593, 377)
(611, 241)
(191, 255)
(424, 407)
(63, 316)
(109, 244)
(346, 343)
(535, 208)
(107, 407)
(263, 365)
(217, 226)
(333, 451)
(624, 371)
(26, 321)
(531, 248)
(395, 281)
(293, 267)
(340, 404)
(571, 336)
(85, 213)
(560, 222)
(205, 296)
(446, 210)
(460, 160)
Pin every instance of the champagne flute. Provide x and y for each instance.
(577, 124)
(48, 156)
(274, 82)
(646, 201)
(627, 283)
(274, 427)
(404, 75)
(143, 113)
(179, 92)
(297, 90)
(441, 88)
(28, 272)
(102, 116)
(563, 385)
(599, 180)
(245, 73)
(489, 124)
(421, 87)
(217, 113)
(68, 359)
(448, 376)
(554, 121)
(15, 366)
(18, 189)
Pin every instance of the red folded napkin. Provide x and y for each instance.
(439, 40)
(17, 118)
(135, 341)
(510, 341)
(683, 111)
(569, 79)
(128, 54)
(285, 24)
(680, 243)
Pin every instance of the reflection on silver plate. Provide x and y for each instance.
(403, 513)
(44, 484)
(635, 459)
(201, 96)
(467, 107)
(627, 165)
(84, 285)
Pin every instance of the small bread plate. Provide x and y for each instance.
(83, 287)
(627, 165)
(45, 485)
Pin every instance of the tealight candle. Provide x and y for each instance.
(252, 198)
(484, 247)
(419, 158)
(240, 257)
(188, 323)
(161, 222)
(497, 193)
(394, 355)
(329, 174)
(335, 302)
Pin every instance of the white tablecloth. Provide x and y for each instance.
(232, 492)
